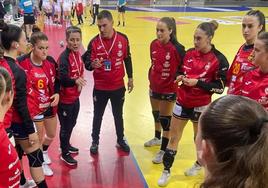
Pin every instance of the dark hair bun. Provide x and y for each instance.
(5, 27)
(36, 29)
(214, 24)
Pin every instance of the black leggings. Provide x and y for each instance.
(67, 114)
(80, 19)
(100, 99)
(95, 12)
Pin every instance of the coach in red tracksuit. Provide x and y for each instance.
(202, 74)
(108, 54)
(71, 76)
(253, 23)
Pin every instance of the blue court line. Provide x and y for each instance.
(139, 170)
(184, 9)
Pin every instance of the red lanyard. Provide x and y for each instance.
(76, 63)
(108, 53)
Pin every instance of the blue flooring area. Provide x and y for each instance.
(184, 9)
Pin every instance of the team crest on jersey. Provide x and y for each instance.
(120, 45)
(207, 66)
(168, 56)
(189, 60)
(266, 91)
(251, 57)
(119, 53)
(166, 64)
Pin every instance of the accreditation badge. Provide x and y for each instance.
(107, 65)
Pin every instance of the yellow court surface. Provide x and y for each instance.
(139, 124)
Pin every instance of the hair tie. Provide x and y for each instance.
(255, 129)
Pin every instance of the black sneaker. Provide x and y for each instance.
(123, 146)
(94, 148)
(67, 158)
(73, 149)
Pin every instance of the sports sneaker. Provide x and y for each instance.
(158, 157)
(94, 148)
(47, 159)
(67, 158)
(193, 171)
(123, 146)
(47, 170)
(28, 184)
(73, 149)
(153, 142)
(163, 180)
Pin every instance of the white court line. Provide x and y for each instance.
(149, 9)
(218, 9)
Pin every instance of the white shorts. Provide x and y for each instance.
(67, 7)
(39, 117)
(57, 8)
(47, 7)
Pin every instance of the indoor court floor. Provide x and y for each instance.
(111, 168)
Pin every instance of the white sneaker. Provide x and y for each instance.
(158, 157)
(47, 159)
(153, 142)
(163, 180)
(47, 170)
(28, 184)
(194, 170)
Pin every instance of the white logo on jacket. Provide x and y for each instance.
(120, 45)
(119, 53)
(168, 56)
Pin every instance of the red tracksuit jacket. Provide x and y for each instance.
(71, 67)
(115, 53)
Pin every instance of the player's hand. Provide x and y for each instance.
(33, 139)
(80, 82)
(179, 78)
(189, 81)
(97, 63)
(55, 99)
(130, 85)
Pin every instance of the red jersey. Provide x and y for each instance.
(42, 80)
(9, 162)
(115, 53)
(8, 115)
(241, 64)
(254, 85)
(166, 60)
(210, 69)
(70, 68)
(79, 9)
(20, 106)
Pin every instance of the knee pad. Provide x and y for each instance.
(19, 151)
(156, 116)
(168, 158)
(35, 158)
(165, 122)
